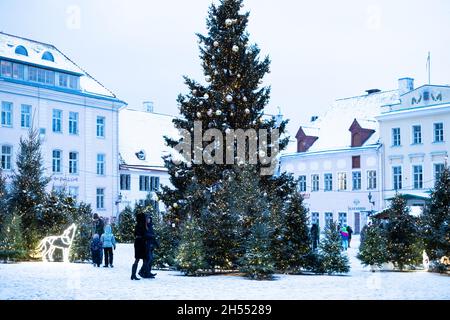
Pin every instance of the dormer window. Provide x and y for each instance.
(140, 155)
(48, 56)
(21, 50)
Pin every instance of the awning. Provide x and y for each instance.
(412, 196)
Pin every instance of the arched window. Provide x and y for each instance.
(48, 56)
(21, 50)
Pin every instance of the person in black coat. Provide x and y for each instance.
(150, 244)
(350, 231)
(139, 243)
(315, 235)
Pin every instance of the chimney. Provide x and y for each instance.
(148, 106)
(405, 85)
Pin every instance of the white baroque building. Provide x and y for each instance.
(77, 119)
(141, 147)
(339, 161)
(415, 133)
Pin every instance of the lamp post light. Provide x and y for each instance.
(118, 201)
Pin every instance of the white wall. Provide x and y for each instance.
(348, 201)
(43, 101)
(426, 154)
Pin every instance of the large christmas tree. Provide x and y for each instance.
(230, 101)
(435, 221)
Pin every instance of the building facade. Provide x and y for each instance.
(338, 161)
(142, 146)
(415, 133)
(77, 120)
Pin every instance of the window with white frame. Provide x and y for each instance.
(154, 183)
(438, 132)
(125, 182)
(73, 122)
(315, 182)
(396, 137)
(101, 164)
(74, 192)
(342, 218)
(6, 69)
(328, 219)
(342, 181)
(371, 179)
(6, 157)
(397, 178)
(100, 127)
(56, 161)
(18, 71)
(57, 121)
(356, 180)
(328, 181)
(63, 79)
(25, 116)
(315, 218)
(302, 183)
(418, 176)
(7, 109)
(73, 162)
(417, 134)
(144, 183)
(32, 74)
(438, 169)
(100, 198)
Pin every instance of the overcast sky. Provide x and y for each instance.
(320, 50)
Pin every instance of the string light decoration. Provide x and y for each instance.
(49, 244)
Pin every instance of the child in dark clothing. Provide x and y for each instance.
(96, 250)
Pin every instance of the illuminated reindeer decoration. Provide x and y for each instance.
(49, 244)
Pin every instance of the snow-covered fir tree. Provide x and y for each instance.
(403, 238)
(80, 249)
(435, 220)
(191, 252)
(127, 223)
(332, 259)
(28, 190)
(257, 262)
(294, 240)
(373, 248)
(3, 200)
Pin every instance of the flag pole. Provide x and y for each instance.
(429, 67)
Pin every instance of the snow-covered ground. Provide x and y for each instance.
(37, 280)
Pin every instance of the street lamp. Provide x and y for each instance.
(369, 196)
(118, 201)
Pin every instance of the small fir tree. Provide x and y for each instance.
(372, 250)
(257, 262)
(3, 200)
(435, 221)
(296, 233)
(127, 222)
(11, 241)
(164, 256)
(403, 241)
(28, 190)
(80, 250)
(331, 257)
(191, 254)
